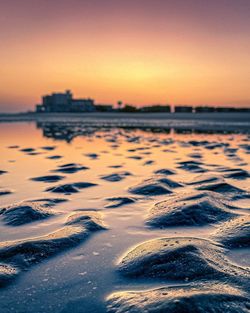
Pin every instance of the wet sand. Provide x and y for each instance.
(113, 219)
(165, 121)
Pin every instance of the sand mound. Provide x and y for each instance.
(234, 233)
(179, 258)
(205, 298)
(26, 212)
(119, 201)
(192, 166)
(195, 209)
(92, 156)
(236, 173)
(115, 177)
(24, 253)
(54, 157)
(70, 188)
(204, 179)
(155, 186)
(5, 192)
(70, 168)
(164, 171)
(49, 148)
(222, 187)
(48, 178)
(27, 150)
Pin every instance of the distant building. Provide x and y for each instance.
(156, 108)
(232, 110)
(82, 105)
(104, 107)
(64, 102)
(183, 109)
(128, 108)
(204, 109)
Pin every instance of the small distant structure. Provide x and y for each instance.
(228, 109)
(213, 109)
(104, 107)
(204, 109)
(183, 109)
(129, 108)
(156, 108)
(64, 102)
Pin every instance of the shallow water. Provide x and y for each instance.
(79, 279)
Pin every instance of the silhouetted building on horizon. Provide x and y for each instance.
(64, 102)
(156, 108)
(204, 109)
(216, 109)
(183, 109)
(104, 107)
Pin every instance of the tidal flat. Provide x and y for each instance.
(114, 218)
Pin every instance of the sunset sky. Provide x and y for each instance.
(137, 51)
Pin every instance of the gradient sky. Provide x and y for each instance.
(138, 51)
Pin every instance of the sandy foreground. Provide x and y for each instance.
(120, 215)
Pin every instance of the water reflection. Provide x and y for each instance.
(66, 131)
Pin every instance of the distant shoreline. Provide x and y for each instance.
(237, 122)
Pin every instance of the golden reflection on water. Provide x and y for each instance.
(22, 166)
(94, 260)
(113, 147)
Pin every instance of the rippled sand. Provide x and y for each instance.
(104, 219)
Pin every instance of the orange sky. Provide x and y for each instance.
(141, 52)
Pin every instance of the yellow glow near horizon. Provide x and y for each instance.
(139, 59)
(138, 81)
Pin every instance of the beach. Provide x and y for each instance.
(124, 213)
